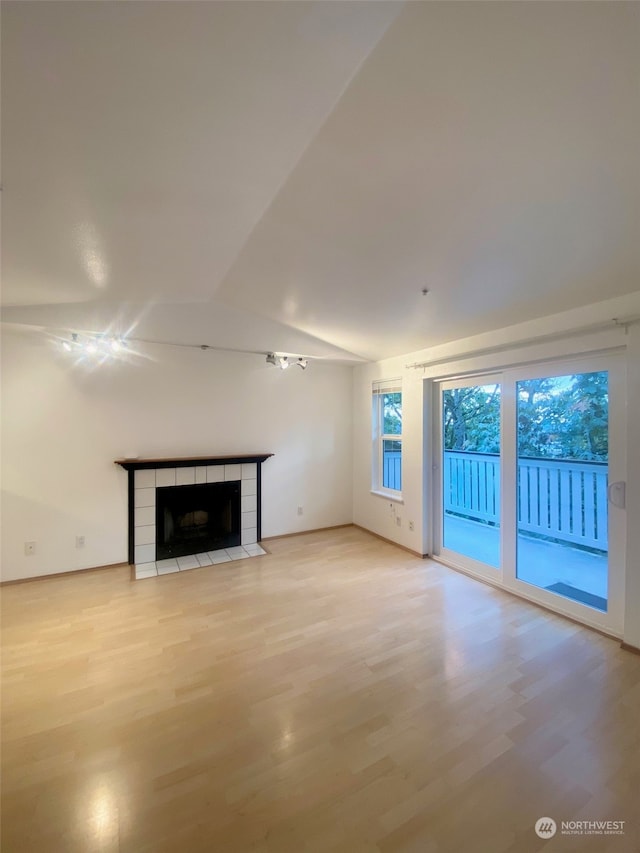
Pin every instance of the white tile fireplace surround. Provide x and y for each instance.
(145, 479)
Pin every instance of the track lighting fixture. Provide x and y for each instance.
(283, 362)
(94, 344)
(103, 346)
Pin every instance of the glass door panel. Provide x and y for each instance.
(471, 471)
(561, 493)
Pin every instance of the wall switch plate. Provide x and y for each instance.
(29, 548)
(398, 520)
(79, 541)
(300, 510)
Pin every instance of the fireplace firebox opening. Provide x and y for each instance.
(194, 519)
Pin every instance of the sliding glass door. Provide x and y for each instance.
(527, 492)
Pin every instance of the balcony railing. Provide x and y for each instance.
(561, 499)
(392, 469)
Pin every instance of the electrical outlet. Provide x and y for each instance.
(300, 510)
(411, 525)
(29, 549)
(79, 541)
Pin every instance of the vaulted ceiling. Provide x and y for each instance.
(290, 176)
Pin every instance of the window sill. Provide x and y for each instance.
(390, 496)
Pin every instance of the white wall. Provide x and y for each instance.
(374, 512)
(63, 425)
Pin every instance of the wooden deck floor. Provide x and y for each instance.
(337, 694)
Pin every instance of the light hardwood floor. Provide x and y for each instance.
(337, 694)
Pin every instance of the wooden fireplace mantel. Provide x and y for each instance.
(136, 464)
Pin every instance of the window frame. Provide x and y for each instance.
(381, 388)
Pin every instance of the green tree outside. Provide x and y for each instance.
(561, 417)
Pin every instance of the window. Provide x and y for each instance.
(387, 436)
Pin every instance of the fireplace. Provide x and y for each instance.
(199, 504)
(192, 519)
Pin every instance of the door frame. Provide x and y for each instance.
(611, 622)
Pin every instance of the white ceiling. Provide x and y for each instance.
(289, 176)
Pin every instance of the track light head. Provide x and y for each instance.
(283, 361)
(94, 343)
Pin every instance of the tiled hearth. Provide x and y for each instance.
(148, 475)
(195, 561)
